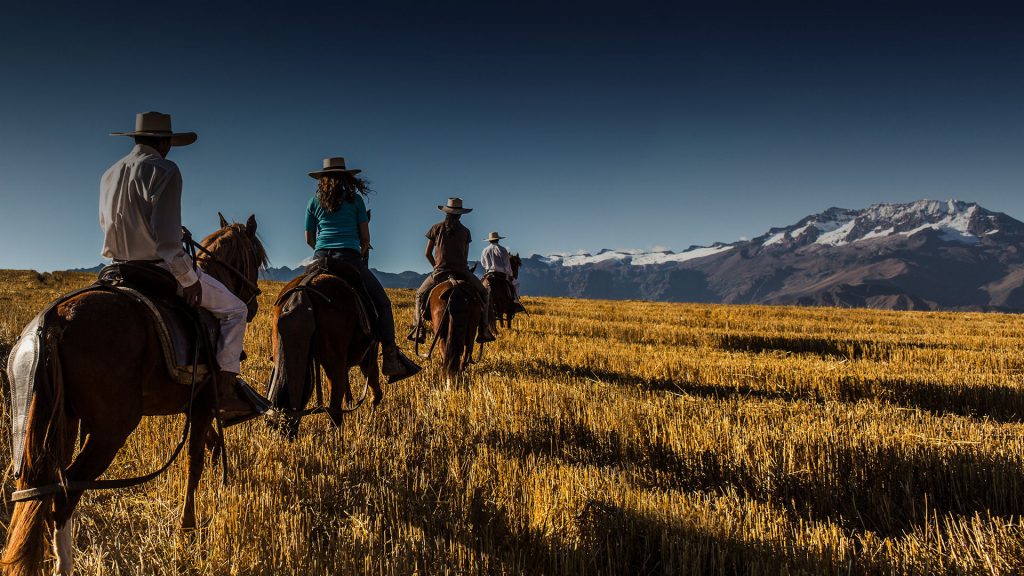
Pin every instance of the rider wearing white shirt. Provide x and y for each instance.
(495, 258)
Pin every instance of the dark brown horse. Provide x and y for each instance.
(332, 331)
(455, 317)
(502, 309)
(106, 371)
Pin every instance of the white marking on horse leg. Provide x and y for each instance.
(63, 547)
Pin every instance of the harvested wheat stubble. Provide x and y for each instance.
(611, 438)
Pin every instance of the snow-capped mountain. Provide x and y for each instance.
(635, 257)
(924, 255)
(955, 221)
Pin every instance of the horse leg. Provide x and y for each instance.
(196, 457)
(337, 375)
(63, 540)
(371, 371)
(98, 451)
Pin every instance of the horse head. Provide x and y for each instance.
(515, 262)
(234, 256)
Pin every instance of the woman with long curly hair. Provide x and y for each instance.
(338, 228)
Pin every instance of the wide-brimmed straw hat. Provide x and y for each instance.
(158, 125)
(493, 237)
(333, 166)
(454, 206)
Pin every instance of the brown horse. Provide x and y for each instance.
(455, 318)
(333, 334)
(106, 371)
(502, 310)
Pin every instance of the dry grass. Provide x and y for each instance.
(614, 438)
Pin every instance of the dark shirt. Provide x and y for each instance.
(452, 247)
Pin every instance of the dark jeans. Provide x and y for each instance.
(385, 328)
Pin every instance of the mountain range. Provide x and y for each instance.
(924, 255)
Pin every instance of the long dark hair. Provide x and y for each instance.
(333, 190)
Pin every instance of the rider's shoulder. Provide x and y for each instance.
(162, 165)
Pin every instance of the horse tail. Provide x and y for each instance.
(47, 449)
(455, 341)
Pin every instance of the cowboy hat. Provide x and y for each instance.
(493, 237)
(333, 166)
(158, 125)
(454, 206)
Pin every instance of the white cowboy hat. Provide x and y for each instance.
(454, 206)
(493, 237)
(158, 125)
(333, 165)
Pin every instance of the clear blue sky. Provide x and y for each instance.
(568, 125)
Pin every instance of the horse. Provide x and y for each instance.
(455, 311)
(332, 330)
(502, 290)
(106, 371)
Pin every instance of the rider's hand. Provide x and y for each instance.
(193, 294)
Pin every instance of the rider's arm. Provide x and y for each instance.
(311, 222)
(166, 224)
(430, 252)
(364, 238)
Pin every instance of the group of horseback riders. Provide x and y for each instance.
(140, 214)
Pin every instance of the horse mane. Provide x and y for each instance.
(227, 241)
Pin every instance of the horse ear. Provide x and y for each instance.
(250, 225)
(223, 221)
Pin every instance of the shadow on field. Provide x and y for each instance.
(616, 537)
(824, 347)
(603, 538)
(882, 488)
(1000, 403)
(544, 368)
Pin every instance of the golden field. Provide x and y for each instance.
(609, 438)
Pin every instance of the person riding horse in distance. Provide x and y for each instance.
(338, 229)
(448, 253)
(496, 260)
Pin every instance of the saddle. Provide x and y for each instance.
(296, 370)
(494, 277)
(181, 328)
(176, 325)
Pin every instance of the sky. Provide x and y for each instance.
(566, 125)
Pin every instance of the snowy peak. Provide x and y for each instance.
(949, 221)
(952, 220)
(635, 257)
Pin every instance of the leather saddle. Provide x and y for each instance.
(449, 284)
(186, 333)
(350, 276)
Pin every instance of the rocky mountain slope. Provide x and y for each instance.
(922, 255)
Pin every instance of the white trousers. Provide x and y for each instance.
(231, 312)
